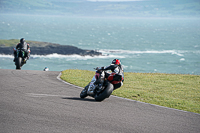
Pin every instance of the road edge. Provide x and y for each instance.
(58, 77)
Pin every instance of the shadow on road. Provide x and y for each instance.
(80, 99)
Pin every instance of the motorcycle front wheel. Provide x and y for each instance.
(83, 93)
(18, 63)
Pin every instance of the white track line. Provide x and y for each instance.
(58, 77)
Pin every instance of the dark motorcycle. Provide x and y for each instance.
(103, 92)
(20, 59)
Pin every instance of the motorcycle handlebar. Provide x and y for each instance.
(98, 68)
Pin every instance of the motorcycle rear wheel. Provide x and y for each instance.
(105, 93)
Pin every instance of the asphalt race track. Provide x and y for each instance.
(36, 101)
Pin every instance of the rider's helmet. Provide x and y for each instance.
(116, 61)
(22, 40)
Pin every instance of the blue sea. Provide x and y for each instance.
(145, 45)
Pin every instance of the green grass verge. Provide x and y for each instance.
(9, 43)
(170, 90)
(14, 42)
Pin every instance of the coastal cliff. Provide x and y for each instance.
(45, 48)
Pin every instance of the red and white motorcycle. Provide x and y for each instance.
(100, 87)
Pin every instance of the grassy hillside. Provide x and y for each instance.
(8, 43)
(45, 48)
(170, 90)
(13, 42)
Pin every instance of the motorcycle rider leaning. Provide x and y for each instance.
(115, 67)
(22, 45)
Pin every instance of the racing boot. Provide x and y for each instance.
(25, 59)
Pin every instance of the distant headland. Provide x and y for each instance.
(45, 48)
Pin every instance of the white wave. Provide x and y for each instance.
(74, 56)
(55, 55)
(182, 59)
(176, 52)
(108, 54)
(6, 56)
(70, 57)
